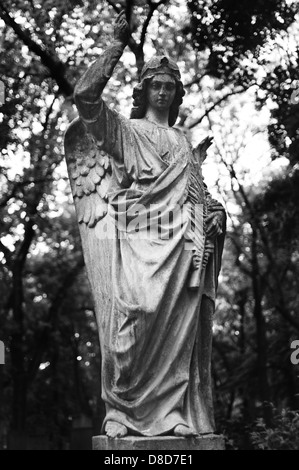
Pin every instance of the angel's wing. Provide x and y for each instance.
(89, 172)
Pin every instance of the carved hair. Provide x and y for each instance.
(140, 100)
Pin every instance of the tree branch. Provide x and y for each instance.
(128, 9)
(9, 196)
(6, 252)
(115, 8)
(22, 252)
(223, 98)
(258, 228)
(21, 184)
(54, 65)
(195, 80)
(152, 8)
(48, 113)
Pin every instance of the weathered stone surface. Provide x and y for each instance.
(209, 442)
(153, 276)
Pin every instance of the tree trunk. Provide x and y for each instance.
(264, 389)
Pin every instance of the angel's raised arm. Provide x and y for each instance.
(99, 120)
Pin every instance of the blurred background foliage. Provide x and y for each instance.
(239, 62)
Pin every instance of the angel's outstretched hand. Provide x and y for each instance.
(121, 28)
(214, 223)
(201, 149)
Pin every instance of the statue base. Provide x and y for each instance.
(204, 442)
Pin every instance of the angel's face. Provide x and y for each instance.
(161, 92)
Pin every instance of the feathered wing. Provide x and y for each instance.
(89, 172)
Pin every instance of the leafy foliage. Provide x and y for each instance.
(282, 435)
(232, 31)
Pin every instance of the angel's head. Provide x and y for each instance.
(158, 70)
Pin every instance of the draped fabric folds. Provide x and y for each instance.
(156, 340)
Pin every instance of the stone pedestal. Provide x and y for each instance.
(205, 442)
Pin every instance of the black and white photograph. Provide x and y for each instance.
(149, 227)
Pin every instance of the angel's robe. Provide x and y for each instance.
(156, 340)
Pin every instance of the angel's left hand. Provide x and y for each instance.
(201, 149)
(214, 222)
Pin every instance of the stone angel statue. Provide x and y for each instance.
(154, 275)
